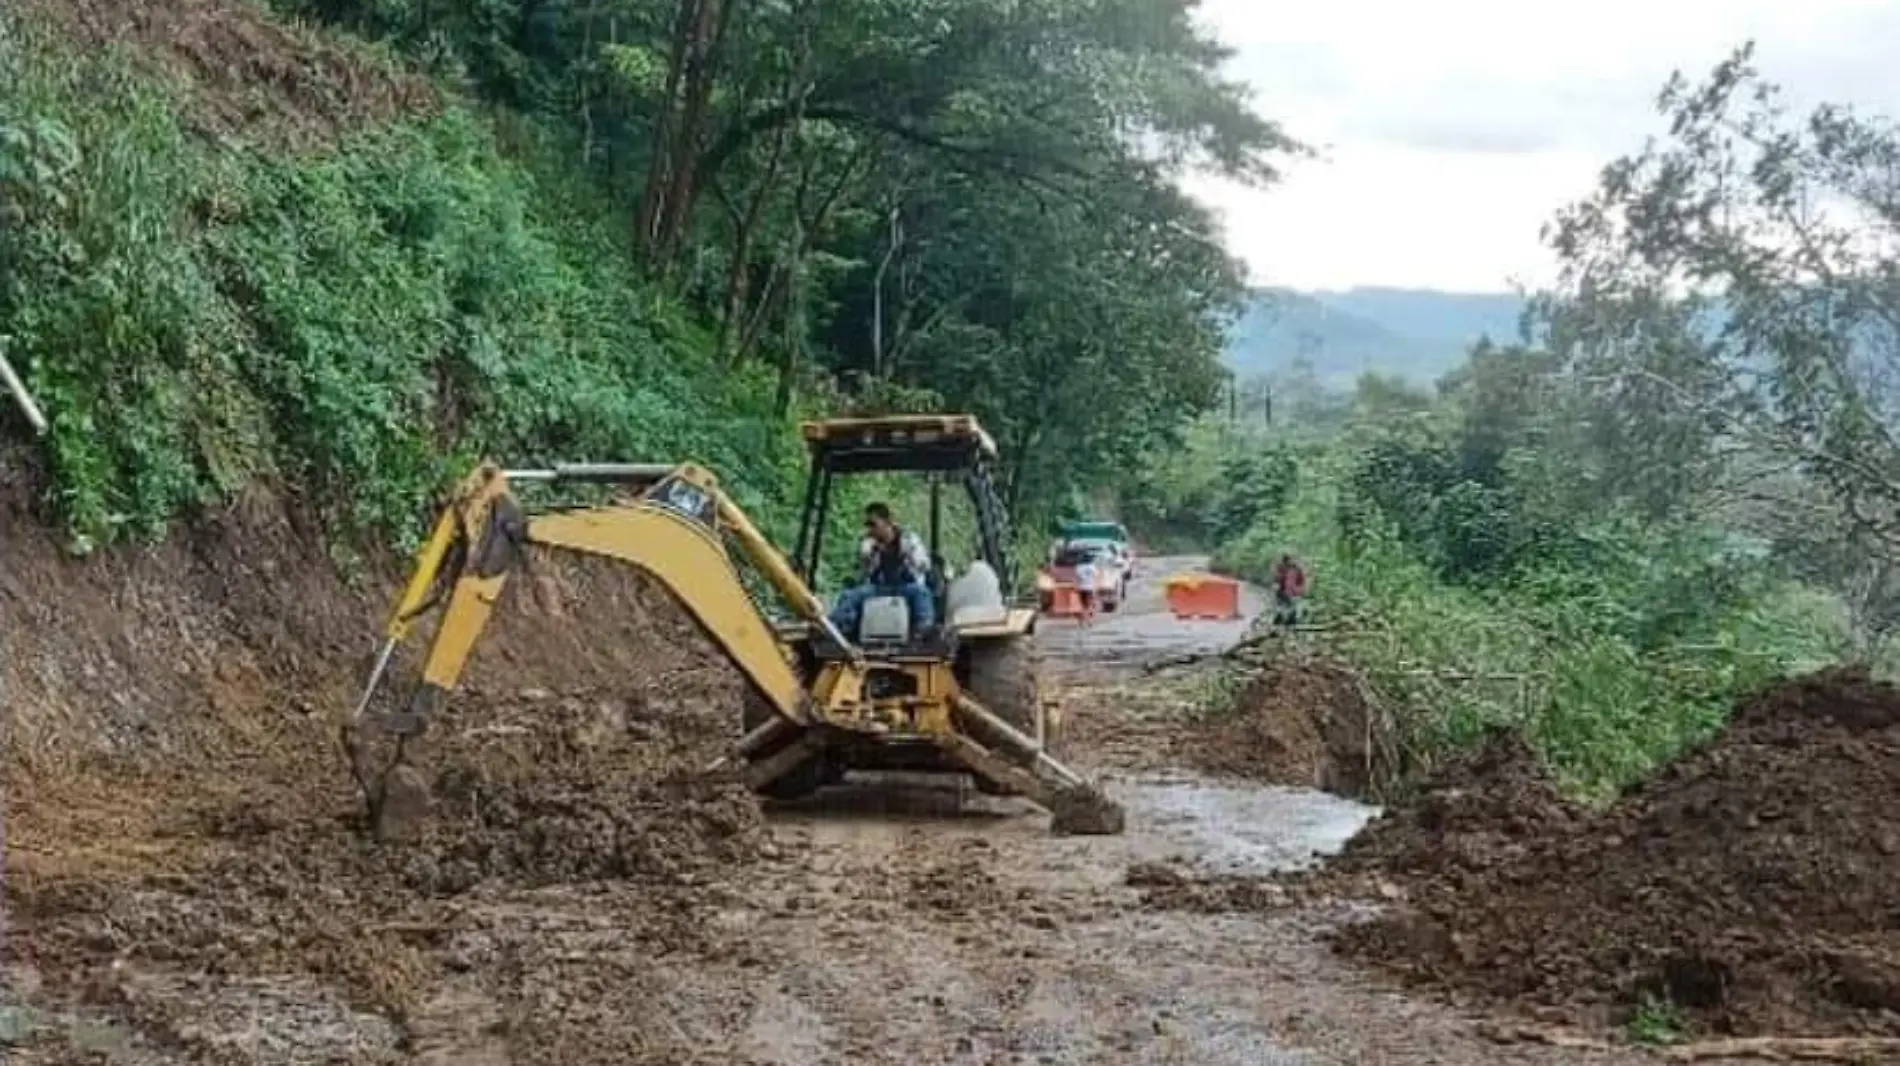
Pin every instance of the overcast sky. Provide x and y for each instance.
(1451, 131)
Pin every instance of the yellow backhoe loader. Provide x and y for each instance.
(958, 697)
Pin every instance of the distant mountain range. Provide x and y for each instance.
(1417, 334)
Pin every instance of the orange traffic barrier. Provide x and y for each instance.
(1203, 596)
(1065, 601)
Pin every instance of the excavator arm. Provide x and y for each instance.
(675, 530)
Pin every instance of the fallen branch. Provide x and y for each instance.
(1234, 651)
(1537, 1034)
(1767, 1048)
(1790, 1049)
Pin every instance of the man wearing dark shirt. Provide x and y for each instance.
(892, 561)
(1289, 589)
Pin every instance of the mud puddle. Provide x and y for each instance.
(1236, 829)
(1202, 825)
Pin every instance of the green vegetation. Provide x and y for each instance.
(1608, 535)
(357, 325)
(1657, 1023)
(1611, 642)
(633, 229)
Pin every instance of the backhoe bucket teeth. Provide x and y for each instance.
(999, 751)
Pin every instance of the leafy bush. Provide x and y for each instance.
(1612, 648)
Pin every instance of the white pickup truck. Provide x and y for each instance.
(1112, 570)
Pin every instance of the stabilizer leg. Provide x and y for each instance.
(1000, 752)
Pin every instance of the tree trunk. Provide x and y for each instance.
(877, 293)
(808, 231)
(672, 191)
(690, 137)
(660, 168)
(739, 272)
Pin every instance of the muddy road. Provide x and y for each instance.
(903, 926)
(922, 936)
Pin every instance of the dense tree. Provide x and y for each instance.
(961, 202)
(1731, 296)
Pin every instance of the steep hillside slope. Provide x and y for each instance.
(248, 252)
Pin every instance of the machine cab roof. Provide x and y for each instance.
(897, 443)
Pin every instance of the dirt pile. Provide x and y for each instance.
(1753, 885)
(558, 816)
(277, 893)
(1480, 808)
(1303, 722)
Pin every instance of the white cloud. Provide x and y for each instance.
(1451, 132)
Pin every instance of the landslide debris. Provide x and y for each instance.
(1752, 886)
(275, 889)
(244, 72)
(1297, 721)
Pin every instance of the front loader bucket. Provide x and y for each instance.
(989, 746)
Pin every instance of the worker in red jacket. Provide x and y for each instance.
(1289, 590)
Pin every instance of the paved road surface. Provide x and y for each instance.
(1143, 630)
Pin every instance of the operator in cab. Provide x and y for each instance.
(892, 562)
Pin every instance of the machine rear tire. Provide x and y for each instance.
(1003, 678)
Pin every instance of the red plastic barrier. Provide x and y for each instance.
(1204, 596)
(1065, 601)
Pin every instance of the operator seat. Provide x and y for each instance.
(888, 620)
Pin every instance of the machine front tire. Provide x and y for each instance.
(1003, 678)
